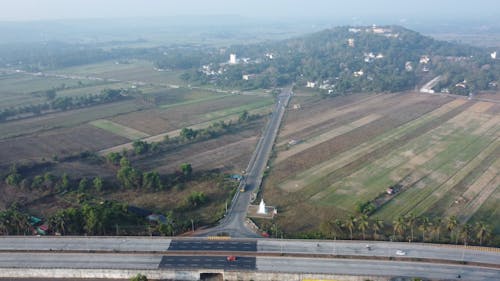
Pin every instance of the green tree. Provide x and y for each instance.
(64, 182)
(140, 147)
(482, 231)
(151, 180)
(399, 226)
(465, 232)
(91, 219)
(37, 181)
(451, 225)
(83, 185)
(187, 170)
(424, 226)
(363, 224)
(139, 277)
(350, 223)
(188, 133)
(410, 222)
(57, 222)
(114, 158)
(128, 176)
(437, 223)
(97, 183)
(243, 116)
(377, 226)
(196, 198)
(13, 179)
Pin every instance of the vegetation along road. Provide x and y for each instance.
(233, 224)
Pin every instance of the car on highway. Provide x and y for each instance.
(231, 258)
(400, 253)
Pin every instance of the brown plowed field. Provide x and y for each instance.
(61, 142)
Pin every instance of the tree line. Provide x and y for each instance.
(64, 103)
(406, 228)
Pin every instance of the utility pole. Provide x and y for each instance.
(192, 225)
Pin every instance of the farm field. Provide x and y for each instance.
(441, 153)
(153, 112)
(132, 71)
(228, 153)
(198, 110)
(17, 89)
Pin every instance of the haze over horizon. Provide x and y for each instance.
(391, 10)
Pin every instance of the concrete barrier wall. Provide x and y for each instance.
(97, 273)
(172, 274)
(271, 276)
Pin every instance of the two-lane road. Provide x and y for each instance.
(233, 224)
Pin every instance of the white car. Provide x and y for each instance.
(400, 253)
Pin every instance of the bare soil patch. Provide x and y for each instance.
(62, 142)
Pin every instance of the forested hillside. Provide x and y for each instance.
(354, 59)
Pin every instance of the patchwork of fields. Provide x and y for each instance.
(439, 154)
(154, 110)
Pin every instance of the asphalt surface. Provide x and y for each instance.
(80, 243)
(326, 248)
(78, 260)
(377, 268)
(381, 249)
(204, 245)
(233, 224)
(266, 264)
(209, 262)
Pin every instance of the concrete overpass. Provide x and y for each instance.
(258, 259)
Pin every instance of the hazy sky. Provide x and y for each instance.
(15, 10)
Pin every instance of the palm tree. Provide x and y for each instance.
(437, 226)
(350, 224)
(398, 226)
(339, 228)
(424, 226)
(377, 225)
(363, 224)
(410, 221)
(451, 224)
(4, 227)
(57, 222)
(482, 231)
(465, 232)
(20, 221)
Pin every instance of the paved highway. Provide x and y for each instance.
(79, 243)
(203, 245)
(381, 249)
(212, 262)
(266, 264)
(233, 224)
(327, 248)
(377, 268)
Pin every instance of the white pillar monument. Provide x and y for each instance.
(262, 207)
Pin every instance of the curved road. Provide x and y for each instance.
(233, 224)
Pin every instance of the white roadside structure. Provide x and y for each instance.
(262, 207)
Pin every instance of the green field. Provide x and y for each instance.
(437, 160)
(65, 119)
(195, 101)
(264, 103)
(132, 71)
(118, 129)
(22, 89)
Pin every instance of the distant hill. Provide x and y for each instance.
(355, 59)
